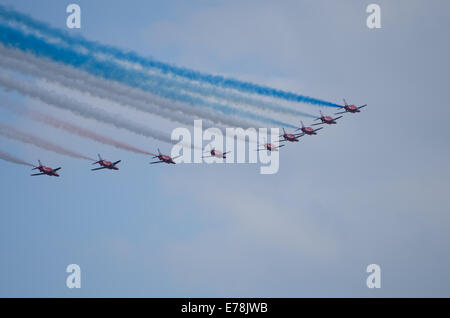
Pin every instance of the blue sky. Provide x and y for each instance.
(372, 189)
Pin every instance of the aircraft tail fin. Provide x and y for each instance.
(99, 159)
(38, 166)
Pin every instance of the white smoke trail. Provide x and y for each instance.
(106, 89)
(157, 78)
(79, 108)
(15, 134)
(95, 48)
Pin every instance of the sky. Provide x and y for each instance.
(372, 189)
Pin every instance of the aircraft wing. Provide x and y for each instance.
(114, 163)
(337, 117)
(340, 113)
(54, 170)
(156, 162)
(318, 129)
(279, 146)
(362, 106)
(299, 135)
(38, 174)
(317, 124)
(98, 168)
(176, 157)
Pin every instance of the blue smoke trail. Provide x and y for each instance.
(172, 82)
(39, 47)
(165, 68)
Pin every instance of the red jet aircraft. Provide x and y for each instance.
(269, 146)
(350, 108)
(163, 158)
(308, 130)
(106, 164)
(216, 153)
(45, 170)
(289, 137)
(326, 120)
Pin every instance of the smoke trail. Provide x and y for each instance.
(7, 157)
(12, 133)
(71, 128)
(164, 68)
(124, 95)
(80, 109)
(110, 70)
(130, 97)
(192, 87)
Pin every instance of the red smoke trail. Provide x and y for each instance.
(12, 133)
(7, 157)
(86, 133)
(71, 128)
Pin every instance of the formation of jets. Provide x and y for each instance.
(328, 120)
(290, 137)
